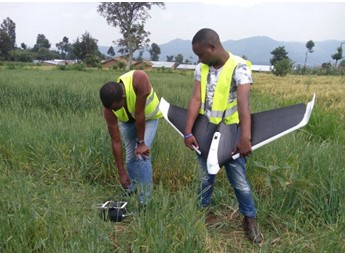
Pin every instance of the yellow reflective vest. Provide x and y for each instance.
(152, 102)
(221, 108)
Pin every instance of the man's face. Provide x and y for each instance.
(205, 52)
(118, 105)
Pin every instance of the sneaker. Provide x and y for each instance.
(249, 226)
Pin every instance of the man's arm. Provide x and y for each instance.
(244, 145)
(140, 116)
(116, 146)
(192, 114)
(142, 88)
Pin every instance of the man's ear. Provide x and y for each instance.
(212, 46)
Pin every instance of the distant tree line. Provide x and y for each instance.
(84, 49)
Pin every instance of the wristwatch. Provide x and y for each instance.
(140, 142)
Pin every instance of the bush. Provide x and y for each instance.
(121, 65)
(76, 66)
(21, 55)
(282, 67)
(92, 60)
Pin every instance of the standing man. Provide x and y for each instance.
(132, 114)
(221, 92)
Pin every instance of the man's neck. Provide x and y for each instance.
(223, 58)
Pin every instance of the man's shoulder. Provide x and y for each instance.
(139, 74)
(198, 67)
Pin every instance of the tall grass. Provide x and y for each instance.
(56, 165)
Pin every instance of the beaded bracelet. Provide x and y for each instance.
(188, 135)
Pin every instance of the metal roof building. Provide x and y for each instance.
(163, 64)
(186, 66)
(262, 68)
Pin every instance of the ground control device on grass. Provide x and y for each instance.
(113, 210)
(216, 142)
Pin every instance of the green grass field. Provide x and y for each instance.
(56, 165)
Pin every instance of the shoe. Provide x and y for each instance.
(249, 226)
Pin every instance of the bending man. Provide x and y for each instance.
(131, 112)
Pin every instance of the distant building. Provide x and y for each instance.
(163, 64)
(144, 65)
(186, 67)
(57, 62)
(113, 61)
(262, 68)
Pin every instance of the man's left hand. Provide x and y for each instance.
(142, 150)
(244, 147)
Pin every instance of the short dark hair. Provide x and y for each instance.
(110, 93)
(205, 35)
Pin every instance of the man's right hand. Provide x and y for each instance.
(125, 181)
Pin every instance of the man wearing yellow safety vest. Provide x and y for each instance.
(221, 92)
(131, 112)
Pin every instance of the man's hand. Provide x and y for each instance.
(244, 147)
(125, 181)
(190, 142)
(142, 150)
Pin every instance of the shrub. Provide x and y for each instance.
(282, 67)
(121, 65)
(21, 55)
(92, 60)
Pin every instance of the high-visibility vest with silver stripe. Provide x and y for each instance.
(221, 108)
(152, 102)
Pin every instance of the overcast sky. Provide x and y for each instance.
(282, 21)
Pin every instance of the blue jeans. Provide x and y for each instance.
(236, 174)
(139, 170)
